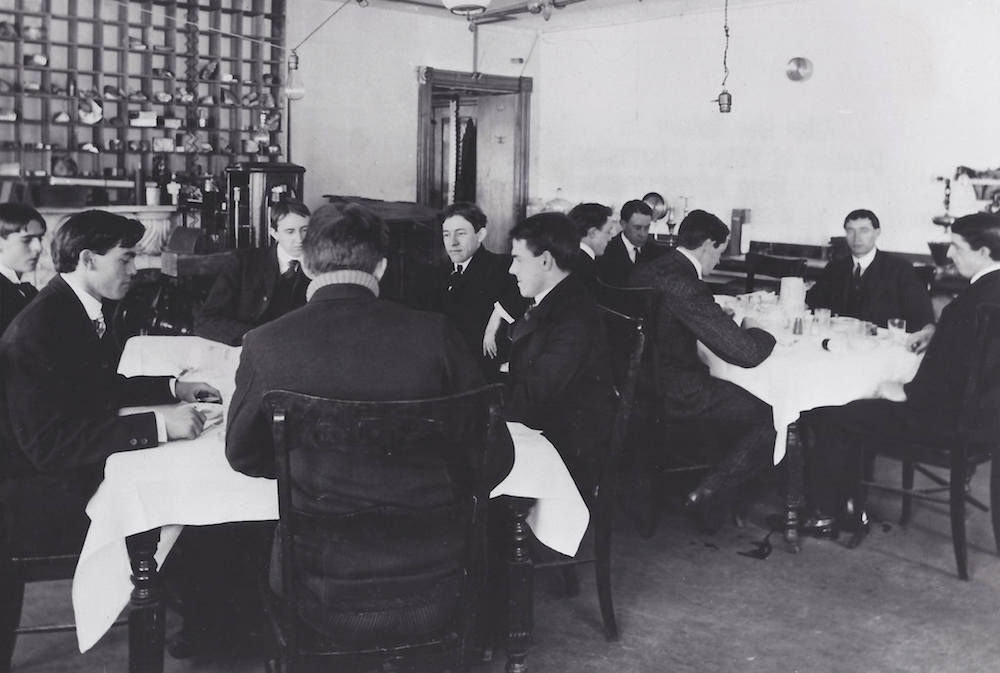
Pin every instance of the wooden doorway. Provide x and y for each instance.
(500, 108)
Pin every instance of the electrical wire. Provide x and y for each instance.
(725, 52)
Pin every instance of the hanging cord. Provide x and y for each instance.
(725, 52)
(268, 43)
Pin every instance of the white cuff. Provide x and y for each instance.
(161, 425)
(173, 386)
(503, 312)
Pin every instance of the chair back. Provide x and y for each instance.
(776, 267)
(382, 573)
(979, 420)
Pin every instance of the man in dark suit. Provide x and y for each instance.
(474, 283)
(632, 246)
(927, 408)
(685, 315)
(593, 226)
(61, 395)
(259, 284)
(560, 375)
(870, 284)
(346, 343)
(21, 232)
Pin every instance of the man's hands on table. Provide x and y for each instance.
(751, 323)
(186, 421)
(196, 391)
(918, 341)
(891, 390)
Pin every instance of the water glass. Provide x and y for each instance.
(823, 317)
(897, 330)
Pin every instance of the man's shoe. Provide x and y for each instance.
(819, 524)
(708, 510)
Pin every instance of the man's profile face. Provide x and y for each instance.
(110, 275)
(597, 238)
(861, 236)
(967, 260)
(636, 229)
(20, 250)
(529, 269)
(461, 240)
(290, 233)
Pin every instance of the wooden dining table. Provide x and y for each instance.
(148, 495)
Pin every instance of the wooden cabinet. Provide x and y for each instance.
(99, 88)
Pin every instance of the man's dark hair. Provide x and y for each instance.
(282, 208)
(552, 232)
(587, 216)
(632, 207)
(980, 230)
(15, 217)
(94, 230)
(862, 214)
(352, 238)
(470, 211)
(699, 226)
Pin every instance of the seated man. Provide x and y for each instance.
(346, 343)
(687, 314)
(259, 284)
(927, 408)
(21, 231)
(474, 282)
(870, 284)
(593, 226)
(632, 246)
(560, 373)
(60, 395)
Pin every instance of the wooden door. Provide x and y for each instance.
(496, 143)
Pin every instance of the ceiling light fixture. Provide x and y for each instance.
(725, 99)
(466, 8)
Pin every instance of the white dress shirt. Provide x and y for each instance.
(10, 274)
(284, 259)
(865, 260)
(633, 252)
(587, 249)
(995, 266)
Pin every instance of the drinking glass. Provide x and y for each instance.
(823, 317)
(897, 330)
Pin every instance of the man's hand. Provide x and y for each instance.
(919, 340)
(490, 335)
(196, 391)
(183, 422)
(751, 323)
(891, 390)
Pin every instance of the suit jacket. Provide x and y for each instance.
(585, 268)
(615, 266)
(937, 388)
(13, 298)
(240, 297)
(686, 313)
(469, 304)
(890, 288)
(560, 374)
(59, 405)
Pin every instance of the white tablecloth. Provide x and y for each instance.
(801, 375)
(190, 483)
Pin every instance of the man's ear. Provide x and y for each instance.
(481, 235)
(86, 259)
(548, 261)
(380, 268)
(273, 232)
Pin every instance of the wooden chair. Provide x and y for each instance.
(768, 265)
(408, 579)
(977, 437)
(625, 312)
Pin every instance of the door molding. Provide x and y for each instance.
(469, 83)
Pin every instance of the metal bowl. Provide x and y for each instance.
(657, 203)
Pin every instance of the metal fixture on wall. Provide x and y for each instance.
(466, 8)
(725, 99)
(799, 69)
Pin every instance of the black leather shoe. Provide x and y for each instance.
(708, 510)
(818, 524)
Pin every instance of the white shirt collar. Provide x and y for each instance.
(91, 304)
(630, 250)
(284, 259)
(541, 295)
(9, 274)
(587, 249)
(865, 260)
(995, 266)
(692, 259)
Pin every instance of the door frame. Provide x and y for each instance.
(473, 84)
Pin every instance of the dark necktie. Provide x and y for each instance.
(857, 273)
(27, 290)
(528, 311)
(99, 326)
(456, 274)
(293, 268)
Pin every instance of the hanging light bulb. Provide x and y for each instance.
(725, 99)
(294, 88)
(466, 8)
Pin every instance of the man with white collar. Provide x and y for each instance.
(686, 314)
(21, 232)
(260, 284)
(560, 372)
(926, 410)
(593, 226)
(870, 284)
(61, 395)
(631, 247)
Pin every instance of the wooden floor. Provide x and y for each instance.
(688, 602)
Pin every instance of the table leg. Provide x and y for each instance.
(146, 617)
(795, 498)
(520, 597)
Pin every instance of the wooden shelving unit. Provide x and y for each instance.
(127, 55)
